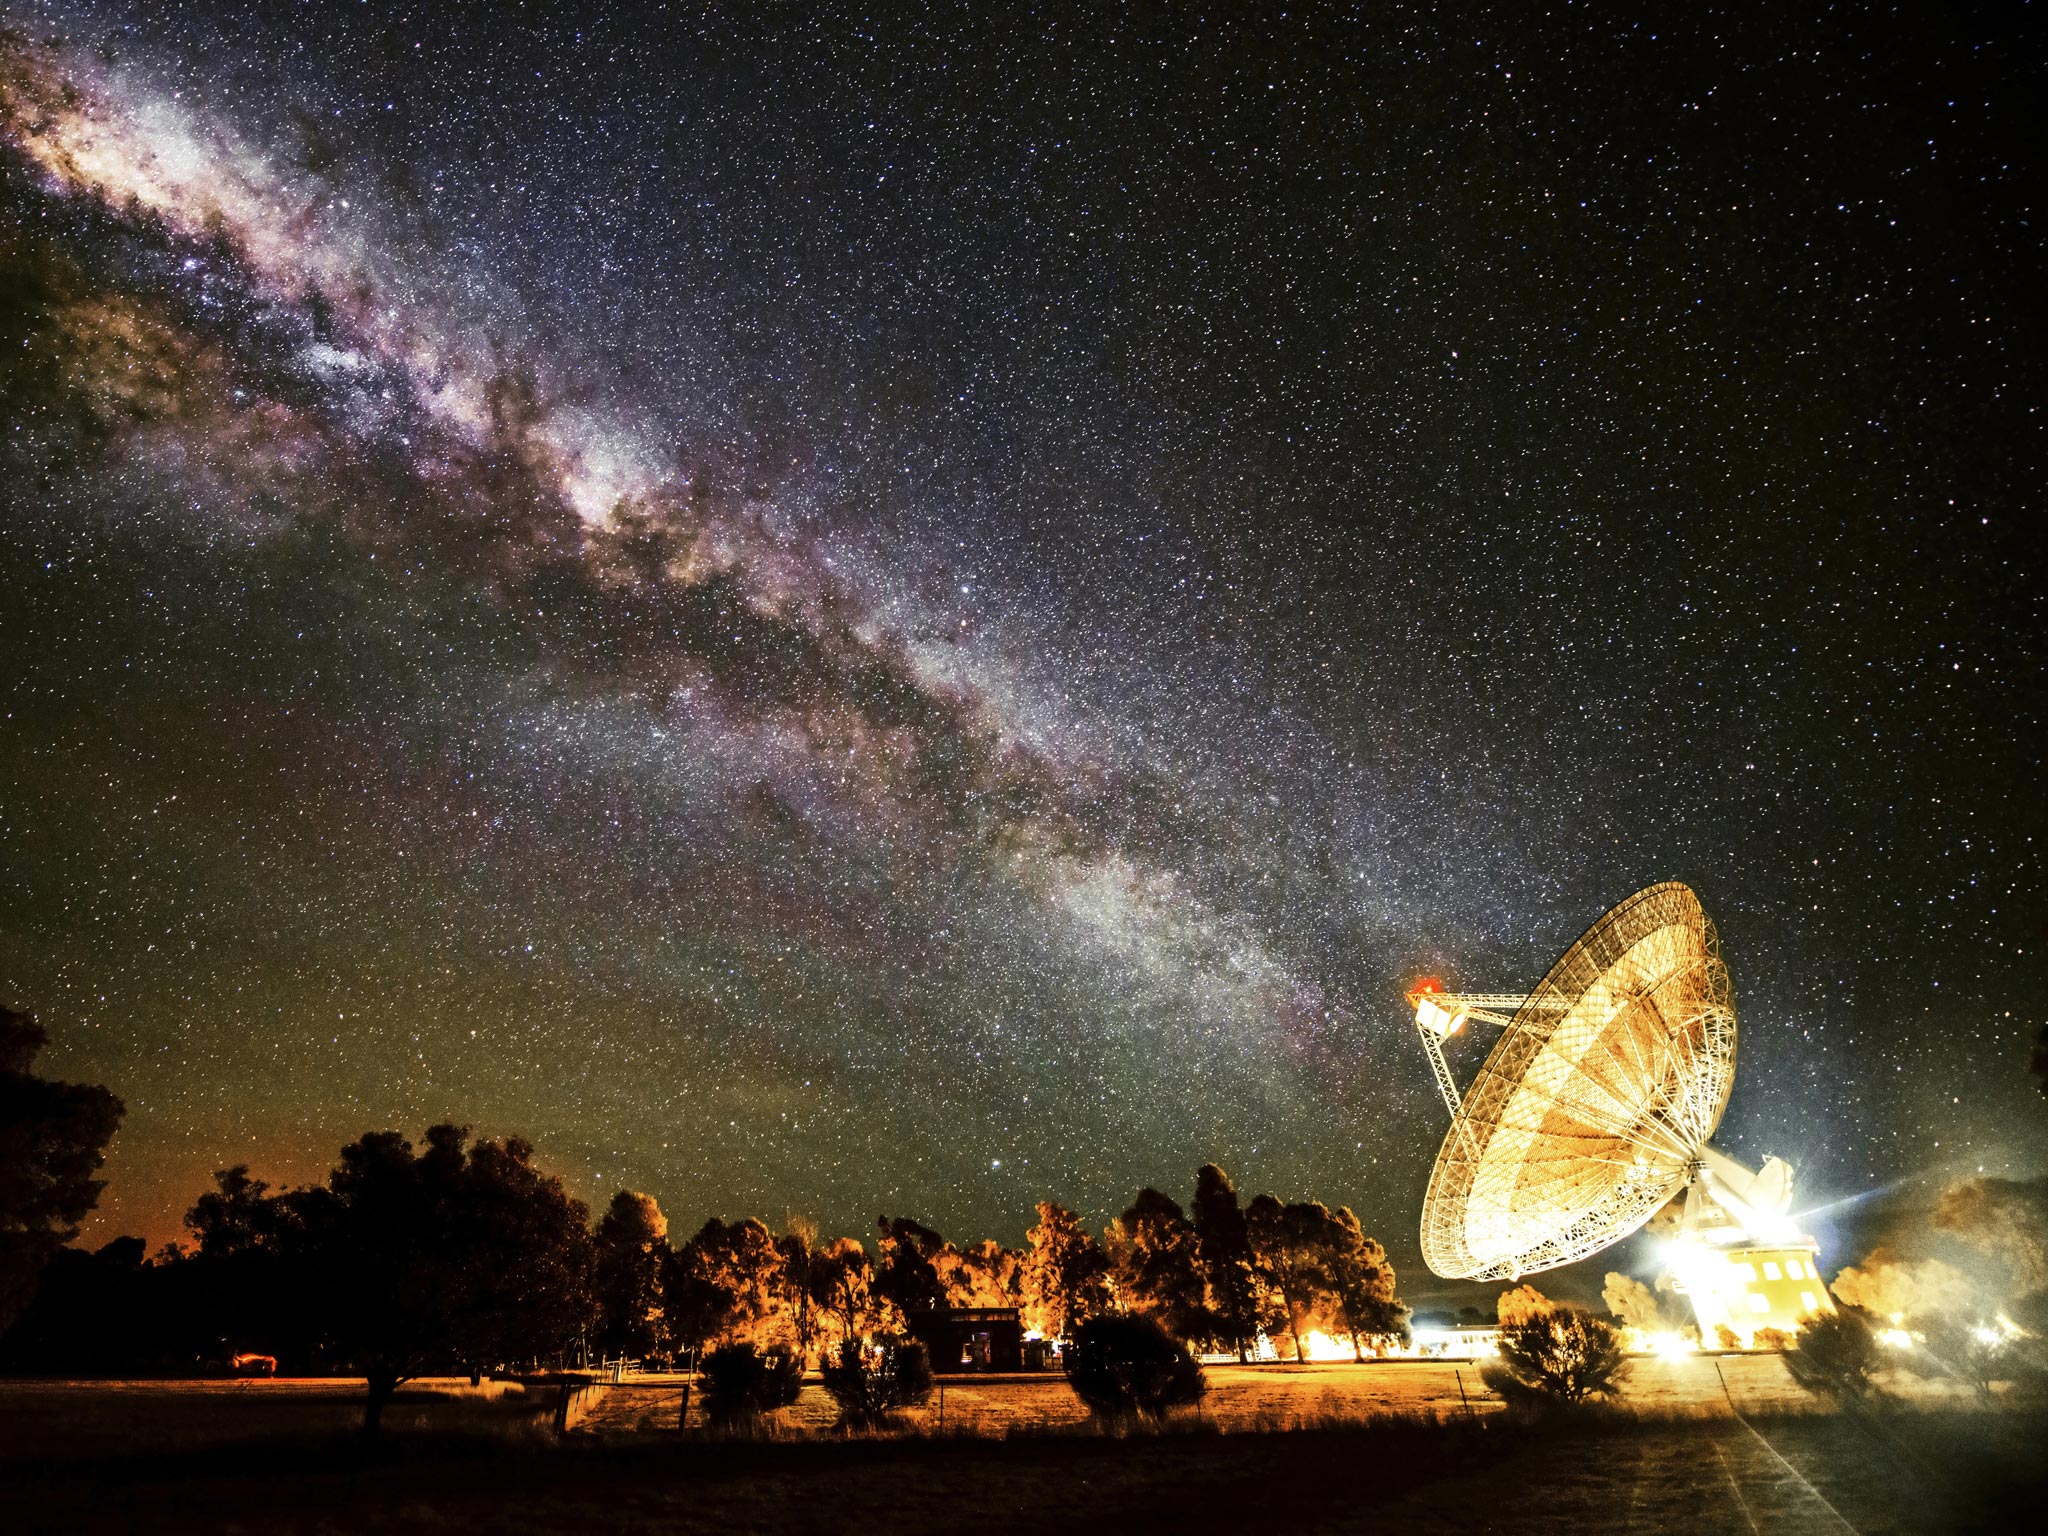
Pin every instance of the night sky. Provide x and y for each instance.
(850, 612)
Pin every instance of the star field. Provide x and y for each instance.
(922, 612)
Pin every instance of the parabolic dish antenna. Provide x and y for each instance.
(1594, 1107)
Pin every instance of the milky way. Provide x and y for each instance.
(847, 614)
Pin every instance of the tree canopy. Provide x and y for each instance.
(1066, 1274)
(1227, 1264)
(53, 1138)
(452, 1253)
(1158, 1261)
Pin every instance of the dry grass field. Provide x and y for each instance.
(1273, 1397)
(1386, 1448)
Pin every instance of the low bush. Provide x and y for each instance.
(742, 1382)
(1128, 1368)
(871, 1386)
(1836, 1354)
(1561, 1359)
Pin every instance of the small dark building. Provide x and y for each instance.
(977, 1339)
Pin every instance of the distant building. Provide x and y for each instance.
(976, 1339)
(1457, 1341)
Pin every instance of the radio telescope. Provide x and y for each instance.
(1592, 1113)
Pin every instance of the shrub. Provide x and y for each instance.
(869, 1389)
(1125, 1368)
(1836, 1354)
(1557, 1359)
(742, 1382)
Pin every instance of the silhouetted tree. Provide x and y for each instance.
(1066, 1274)
(246, 1282)
(1981, 1356)
(236, 1216)
(632, 1256)
(452, 1254)
(1362, 1280)
(1292, 1245)
(1836, 1354)
(1227, 1263)
(53, 1138)
(1158, 1265)
(95, 1313)
(1563, 1357)
(1125, 1368)
(908, 1275)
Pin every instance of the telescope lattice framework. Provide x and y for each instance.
(1592, 1109)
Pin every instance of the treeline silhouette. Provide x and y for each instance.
(460, 1256)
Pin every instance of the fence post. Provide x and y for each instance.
(1461, 1391)
(683, 1413)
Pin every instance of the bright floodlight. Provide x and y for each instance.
(1594, 1108)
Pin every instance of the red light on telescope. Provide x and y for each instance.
(1427, 986)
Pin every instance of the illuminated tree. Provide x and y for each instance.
(1293, 1246)
(1521, 1304)
(1632, 1301)
(1227, 1265)
(802, 1259)
(632, 1253)
(1562, 1357)
(1887, 1284)
(1362, 1280)
(53, 1138)
(844, 1282)
(1066, 1275)
(725, 1285)
(2006, 1219)
(985, 1274)
(1157, 1262)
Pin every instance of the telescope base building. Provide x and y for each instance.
(1738, 1292)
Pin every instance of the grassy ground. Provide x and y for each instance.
(1275, 1396)
(56, 1421)
(277, 1456)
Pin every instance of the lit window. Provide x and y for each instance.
(1759, 1303)
(1807, 1302)
(1793, 1271)
(1771, 1270)
(1748, 1271)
